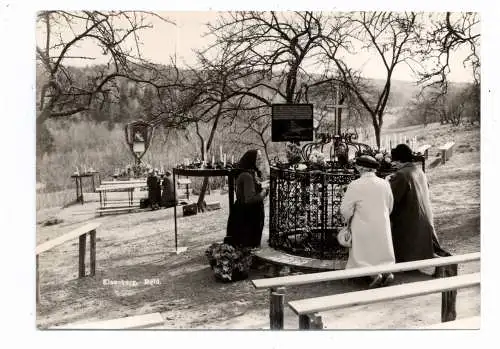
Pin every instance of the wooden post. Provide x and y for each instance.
(304, 322)
(448, 298)
(230, 188)
(92, 252)
(81, 256)
(76, 185)
(37, 282)
(81, 190)
(316, 322)
(175, 208)
(277, 306)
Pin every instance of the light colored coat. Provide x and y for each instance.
(370, 199)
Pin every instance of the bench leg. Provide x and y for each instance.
(37, 282)
(81, 255)
(448, 298)
(277, 306)
(310, 322)
(92, 252)
(304, 323)
(316, 322)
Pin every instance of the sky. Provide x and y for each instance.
(165, 40)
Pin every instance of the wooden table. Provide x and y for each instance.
(119, 187)
(78, 183)
(229, 173)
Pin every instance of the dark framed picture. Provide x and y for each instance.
(292, 122)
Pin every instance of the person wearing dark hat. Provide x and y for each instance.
(413, 233)
(367, 204)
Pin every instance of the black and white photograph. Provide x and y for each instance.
(257, 169)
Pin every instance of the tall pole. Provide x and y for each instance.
(338, 111)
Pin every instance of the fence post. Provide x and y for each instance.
(448, 298)
(277, 306)
(316, 322)
(92, 252)
(304, 322)
(81, 256)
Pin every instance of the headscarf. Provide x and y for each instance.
(249, 162)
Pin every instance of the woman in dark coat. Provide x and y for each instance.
(246, 221)
(413, 234)
(167, 195)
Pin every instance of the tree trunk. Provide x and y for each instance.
(201, 199)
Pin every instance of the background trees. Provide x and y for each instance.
(257, 59)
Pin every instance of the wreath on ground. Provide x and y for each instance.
(229, 263)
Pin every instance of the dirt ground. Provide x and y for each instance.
(133, 247)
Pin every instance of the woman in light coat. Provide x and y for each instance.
(368, 201)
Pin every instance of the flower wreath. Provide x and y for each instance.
(229, 263)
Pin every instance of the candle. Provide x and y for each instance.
(213, 160)
(224, 160)
(220, 151)
(232, 159)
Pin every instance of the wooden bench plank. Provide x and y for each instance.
(130, 322)
(470, 323)
(66, 237)
(447, 146)
(120, 187)
(123, 182)
(423, 148)
(116, 210)
(365, 271)
(446, 151)
(421, 288)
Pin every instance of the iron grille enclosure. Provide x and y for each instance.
(305, 211)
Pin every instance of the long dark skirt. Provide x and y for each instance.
(245, 224)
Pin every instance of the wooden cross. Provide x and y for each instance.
(338, 112)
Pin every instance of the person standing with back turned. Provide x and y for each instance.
(367, 204)
(413, 232)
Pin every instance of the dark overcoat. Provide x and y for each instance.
(412, 226)
(246, 220)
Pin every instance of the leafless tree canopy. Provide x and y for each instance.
(258, 58)
(65, 91)
(449, 32)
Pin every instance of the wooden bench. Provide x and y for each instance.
(81, 233)
(130, 181)
(446, 151)
(424, 150)
(213, 206)
(277, 285)
(129, 188)
(308, 309)
(130, 322)
(112, 210)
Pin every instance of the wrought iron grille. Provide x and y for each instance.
(305, 211)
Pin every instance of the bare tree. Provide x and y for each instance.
(116, 34)
(391, 36)
(449, 31)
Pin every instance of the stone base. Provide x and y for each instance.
(177, 251)
(282, 261)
